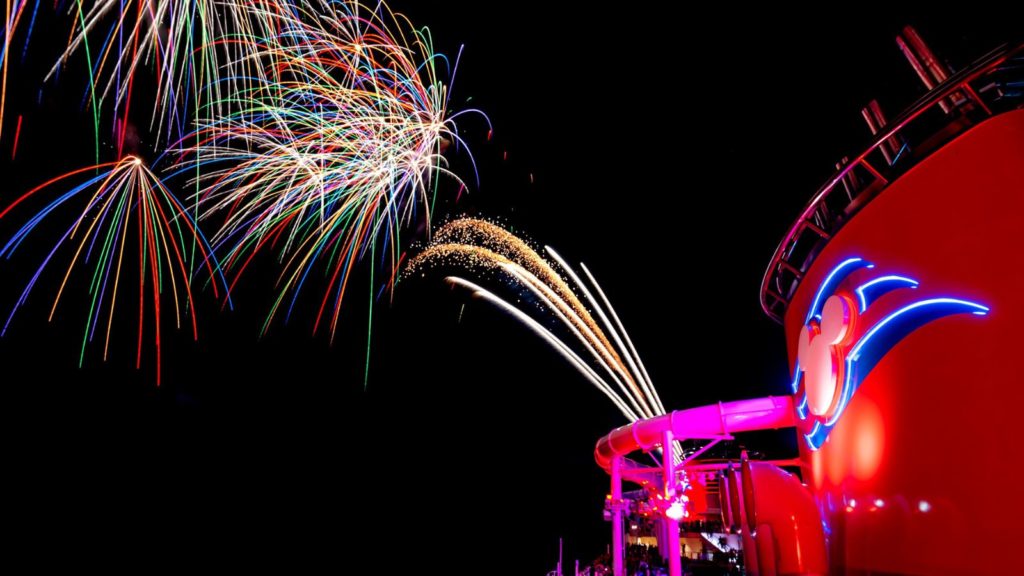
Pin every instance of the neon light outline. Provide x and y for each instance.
(832, 280)
(874, 344)
(871, 291)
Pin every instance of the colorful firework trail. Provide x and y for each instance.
(12, 19)
(486, 249)
(177, 37)
(128, 213)
(183, 41)
(13, 13)
(312, 130)
(335, 145)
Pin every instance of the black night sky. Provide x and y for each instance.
(668, 151)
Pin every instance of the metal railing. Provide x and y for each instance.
(992, 85)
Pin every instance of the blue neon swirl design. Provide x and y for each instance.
(832, 281)
(815, 438)
(871, 291)
(801, 408)
(874, 344)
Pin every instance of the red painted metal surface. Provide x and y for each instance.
(909, 480)
(786, 521)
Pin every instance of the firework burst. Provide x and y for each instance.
(313, 131)
(131, 231)
(334, 146)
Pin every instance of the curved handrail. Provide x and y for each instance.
(773, 295)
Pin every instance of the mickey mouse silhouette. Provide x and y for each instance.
(821, 352)
(835, 354)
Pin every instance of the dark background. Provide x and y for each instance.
(668, 151)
